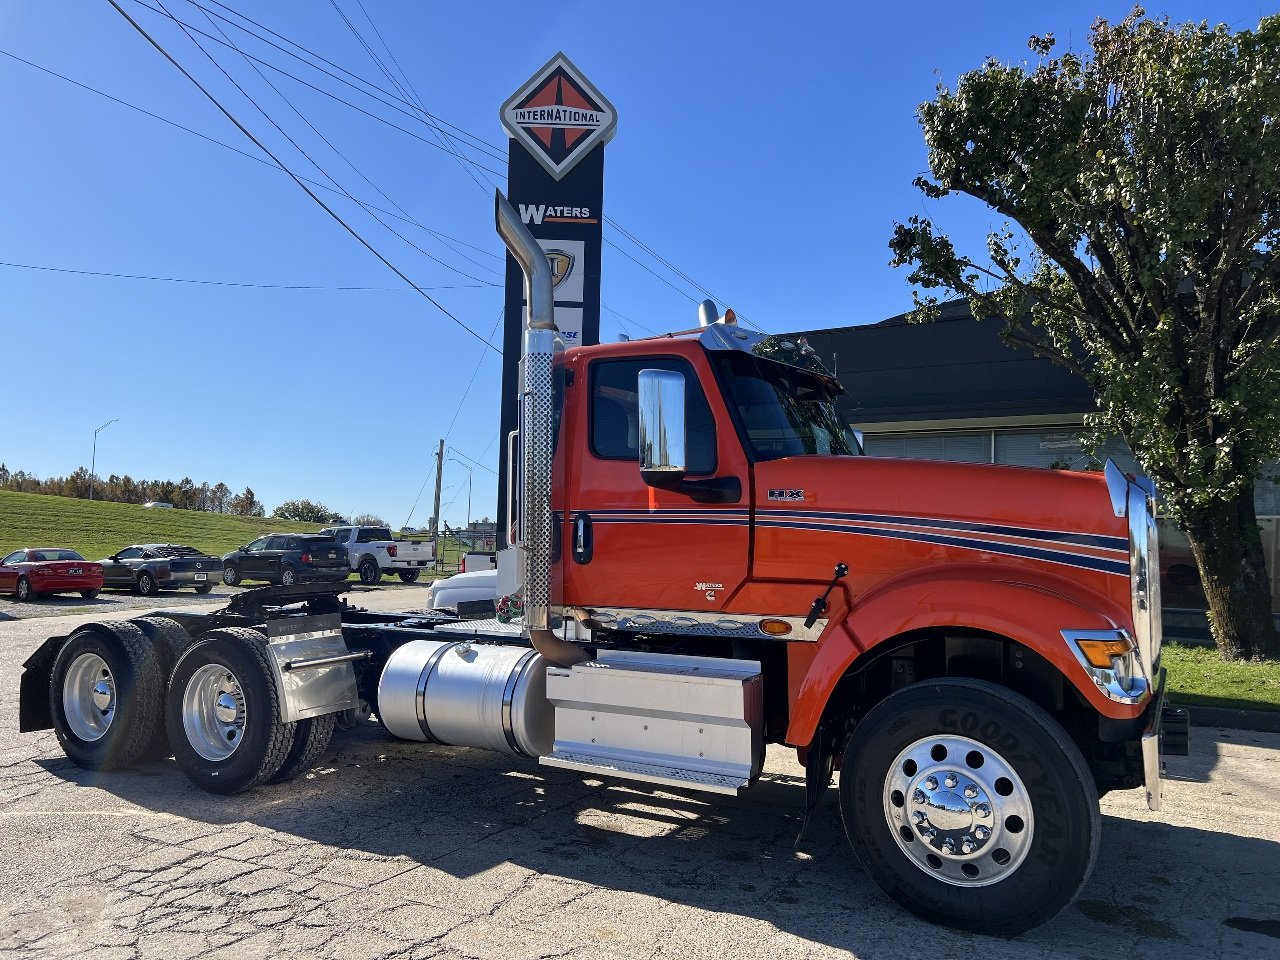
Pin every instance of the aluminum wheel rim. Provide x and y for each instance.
(288, 578)
(213, 712)
(959, 811)
(89, 697)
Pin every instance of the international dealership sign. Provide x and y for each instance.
(559, 117)
(557, 125)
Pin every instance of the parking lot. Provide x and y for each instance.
(391, 850)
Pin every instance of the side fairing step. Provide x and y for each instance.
(647, 772)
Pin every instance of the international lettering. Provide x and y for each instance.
(557, 117)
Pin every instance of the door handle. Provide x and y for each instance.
(583, 538)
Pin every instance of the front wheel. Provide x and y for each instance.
(969, 806)
(230, 574)
(409, 576)
(369, 572)
(146, 584)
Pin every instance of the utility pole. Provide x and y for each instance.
(93, 462)
(435, 514)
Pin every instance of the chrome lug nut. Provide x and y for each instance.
(982, 833)
(931, 834)
(982, 810)
(918, 796)
(951, 781)
(948, 846)
(970, 791)
(967, 845)
(931, 783)
(919, 816)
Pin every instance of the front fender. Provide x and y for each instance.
(1029, 612)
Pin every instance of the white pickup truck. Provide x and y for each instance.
(373, 553)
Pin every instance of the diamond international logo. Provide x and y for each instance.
(559, 116)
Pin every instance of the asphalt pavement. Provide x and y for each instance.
(390, 850)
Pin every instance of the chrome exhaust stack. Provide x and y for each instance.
(537, 419)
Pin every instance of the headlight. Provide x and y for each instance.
(1110, 658)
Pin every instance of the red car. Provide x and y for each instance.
(36, 570)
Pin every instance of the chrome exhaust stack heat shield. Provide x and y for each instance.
(537, 420)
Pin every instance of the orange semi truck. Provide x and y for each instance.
(706, 565)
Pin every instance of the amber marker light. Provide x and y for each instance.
(775, 628)
(1100, 652)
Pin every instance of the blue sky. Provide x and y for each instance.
(765, 149)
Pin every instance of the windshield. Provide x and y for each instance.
(784, 411)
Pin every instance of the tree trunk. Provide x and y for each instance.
(1228, 550)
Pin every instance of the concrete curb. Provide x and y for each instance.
(1265, 721)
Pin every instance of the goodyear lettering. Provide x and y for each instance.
(535, 213)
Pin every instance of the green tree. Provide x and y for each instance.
(246, 504)
(1140, 186)
(369, 520)
(306, 511)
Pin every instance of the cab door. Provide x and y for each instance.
(628, 545)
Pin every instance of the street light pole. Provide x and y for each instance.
(93, 463)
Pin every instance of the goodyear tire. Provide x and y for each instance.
(309, 743)
(369, 572)
(222, 713)
(169, 639)
(969, 806)
(409, 576)
(105, 693)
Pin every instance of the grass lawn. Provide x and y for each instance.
(1198, 678)
(97, 529)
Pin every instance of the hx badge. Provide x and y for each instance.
(776, 493)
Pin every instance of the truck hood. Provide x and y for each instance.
(1059, 517)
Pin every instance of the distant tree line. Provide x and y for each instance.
(184, 494)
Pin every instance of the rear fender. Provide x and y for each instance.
(1031, 614)
(34, 711)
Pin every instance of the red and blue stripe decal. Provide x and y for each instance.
(1086, 551)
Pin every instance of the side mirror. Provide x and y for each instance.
(114, 556)
(242, 548)
(662, 427)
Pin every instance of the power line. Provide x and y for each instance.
(222, 283)
(479, 143)
(256, 159)
(320, 90)
(308, 157)
(327, 209)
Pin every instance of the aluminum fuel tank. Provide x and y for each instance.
(468, 695)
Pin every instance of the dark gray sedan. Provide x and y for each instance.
(149, 567)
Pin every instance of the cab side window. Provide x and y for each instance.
(615, 412)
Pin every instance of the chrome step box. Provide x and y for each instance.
(693, 722)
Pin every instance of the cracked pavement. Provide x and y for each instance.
(389, 850)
